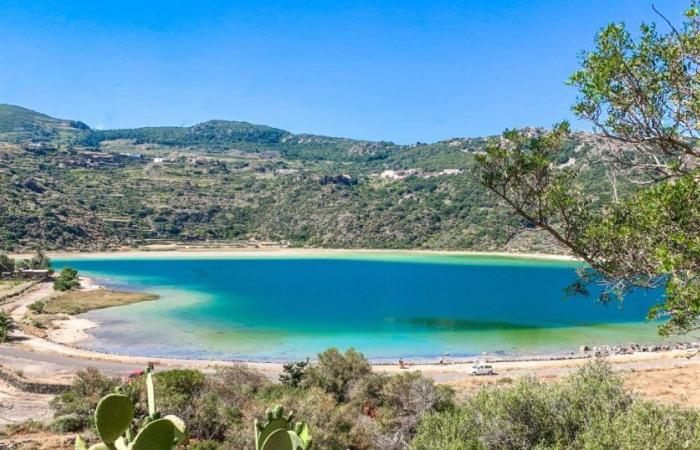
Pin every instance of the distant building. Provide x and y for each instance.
(33, 274)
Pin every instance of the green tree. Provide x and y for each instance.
(643, 97)
(7, 264)
(7, 326)
(40, 261)
(67, 280)
(335, 371)
(293, 373)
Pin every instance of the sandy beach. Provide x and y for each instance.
(181, 251)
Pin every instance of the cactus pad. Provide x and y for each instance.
(157, 435)
(297, 433)
(113, 417)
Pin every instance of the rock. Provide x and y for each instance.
(584, 348)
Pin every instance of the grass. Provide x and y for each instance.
(9, 287)
(78, 302)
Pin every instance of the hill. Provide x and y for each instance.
(66, 186)
(18, 124)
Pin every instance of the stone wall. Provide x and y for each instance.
(28, 386)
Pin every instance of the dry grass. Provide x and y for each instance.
(672, 385)
(9, 287)
(675, 384)
(78, 302)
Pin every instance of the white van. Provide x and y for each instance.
(482, 369)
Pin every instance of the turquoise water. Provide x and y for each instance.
(386, 306)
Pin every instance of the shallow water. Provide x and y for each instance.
(387, 306)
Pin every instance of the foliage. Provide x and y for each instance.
(293, 373)
(589, 409)
(88, 387)
(307, 190)
(279, 432)
(37, 306)
(37, 262)
(7, 264)
(26, 427)
(335, 371)
(114, 415)
(7, 326)
(69, 423)
(67, 280)
(643, 96)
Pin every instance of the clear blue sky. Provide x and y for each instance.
(401, 71)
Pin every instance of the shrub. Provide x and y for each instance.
(37, 307)
(589, 410)
(293, 373)
(7, 326)
(67, 280)
(88, 387)
(445, 430)
(646, 425)
(26, 427)
(335, 371)
(205, 445)
(7, 264)
(69, 423)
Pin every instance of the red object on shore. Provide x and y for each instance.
(136, 373)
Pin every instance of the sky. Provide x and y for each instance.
(402, 71)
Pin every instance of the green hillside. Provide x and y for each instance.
(65, 186)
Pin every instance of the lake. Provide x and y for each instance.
(385, 305)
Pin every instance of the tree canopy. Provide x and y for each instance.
(642, 95)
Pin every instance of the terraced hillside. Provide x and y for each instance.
(66, 186)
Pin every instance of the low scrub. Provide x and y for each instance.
(347, 406)
(588, 410)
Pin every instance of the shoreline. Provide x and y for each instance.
(73, 330)
(286, 252)
(43, 360)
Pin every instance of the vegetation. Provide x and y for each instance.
(7, 265)
(293, 373)
(114, 417)
(7, 326)
(643, 96)
(79, 302)
(589, 409)
(151, 186)
(67, 280)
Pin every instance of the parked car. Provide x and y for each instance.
(482, 369)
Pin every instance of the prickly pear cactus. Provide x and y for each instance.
(280, 433)
(114, 417)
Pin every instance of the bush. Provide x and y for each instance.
(293, 373)
(405, 399)
(589, 410)
(7, 264)
(26, 427)
(335, 372)
(205, 445)
(70, 423)
(646, 425)
(67, 280)
(7, 326)
(37, 307)
(88, 387)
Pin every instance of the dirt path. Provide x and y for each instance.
(18, 307)
(17, 406)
